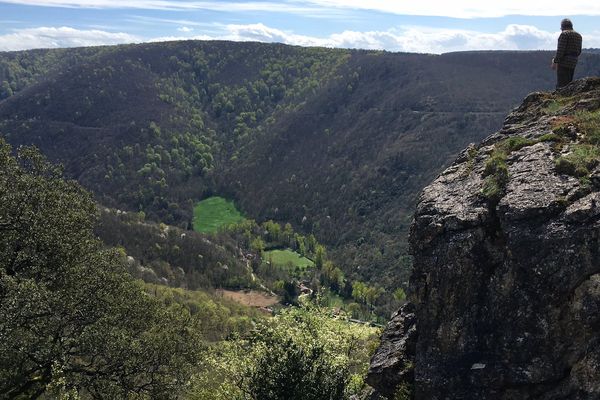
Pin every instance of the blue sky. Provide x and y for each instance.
(421, 26)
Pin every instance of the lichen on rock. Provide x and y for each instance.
(504, 297)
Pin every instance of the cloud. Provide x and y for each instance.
(170, 21)
(50, 37)
(443, 8)
(295, 7)
(406, 39)
(468, 8)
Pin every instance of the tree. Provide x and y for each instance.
(258, 245)
(332, 276)
(292, 371)
(72, 320)
(290, 293)
(302, 353)
(400, 295)
(320, 255)
(273, 230)
(5, 90)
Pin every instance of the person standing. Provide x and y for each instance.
(567, 53)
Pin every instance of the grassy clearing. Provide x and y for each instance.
(287, 257)
(215, 213)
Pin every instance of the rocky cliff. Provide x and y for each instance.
(504, 298)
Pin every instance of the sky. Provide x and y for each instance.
(422, 26)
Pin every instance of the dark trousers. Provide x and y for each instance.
(564, 76)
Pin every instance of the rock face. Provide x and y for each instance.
(504, 298)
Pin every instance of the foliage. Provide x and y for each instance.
(165, 254)
(318, 138)
(550, 137)
(399, 294)
(301, 353)
(579, 162)
(219, 318)
(496, 171)
(215, 213)
(71, 319)
(589, 124)
(403, 392)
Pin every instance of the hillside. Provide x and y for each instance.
(504, 295)
(336, 142)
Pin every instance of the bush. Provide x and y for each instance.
(580, 161)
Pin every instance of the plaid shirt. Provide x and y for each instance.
(569, 48)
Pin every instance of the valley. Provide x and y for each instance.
(259, 195)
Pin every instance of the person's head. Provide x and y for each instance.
(566, 24)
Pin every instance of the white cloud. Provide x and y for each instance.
(175, 38)
(169, 21)
(469, 8)
(444, 8)
(407, 39)
(50, 37)
(293, 6)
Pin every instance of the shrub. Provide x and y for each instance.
(582, 158)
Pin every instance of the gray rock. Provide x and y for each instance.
(504, 295)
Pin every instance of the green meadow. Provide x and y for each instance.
(214, 213)
(286, 257)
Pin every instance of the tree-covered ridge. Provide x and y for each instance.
(336, 142)
(191, 103)
(21, 69)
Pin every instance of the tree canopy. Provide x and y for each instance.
(72, 320)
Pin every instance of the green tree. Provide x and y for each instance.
(5, 90)
(302, 353)
(399, 294)
(72, 320)
(288, 234)
(258, 245)
(320, 255)
(273, 230)
(291, 371)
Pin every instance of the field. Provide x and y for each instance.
(286, 257)
(214, 213)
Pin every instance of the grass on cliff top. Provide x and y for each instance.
(585, 155)
(557, 104)
(579, 162)
(215, 213)
(496, 169)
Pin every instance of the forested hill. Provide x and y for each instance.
(337, 142)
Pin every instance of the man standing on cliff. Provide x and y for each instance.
(567, 52)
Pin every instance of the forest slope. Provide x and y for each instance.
(337, 142)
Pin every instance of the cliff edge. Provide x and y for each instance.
(504, 298)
